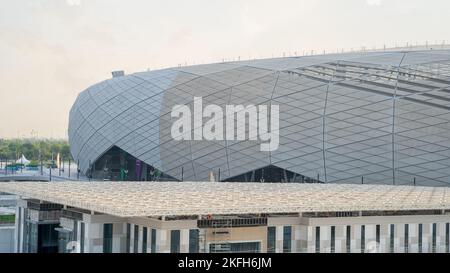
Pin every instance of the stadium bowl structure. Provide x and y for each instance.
(375, 117)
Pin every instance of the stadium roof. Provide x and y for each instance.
(139, 199)
(382, 115)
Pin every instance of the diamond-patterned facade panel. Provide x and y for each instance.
(380, 118)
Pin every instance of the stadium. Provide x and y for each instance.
(379, 117)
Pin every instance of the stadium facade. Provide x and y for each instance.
(372, 118)
(196, 217)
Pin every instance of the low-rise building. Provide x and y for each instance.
(191, 217)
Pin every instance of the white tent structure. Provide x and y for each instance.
(23, 160)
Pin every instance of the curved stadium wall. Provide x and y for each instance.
(379, 117)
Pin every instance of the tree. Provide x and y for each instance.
(13, 148)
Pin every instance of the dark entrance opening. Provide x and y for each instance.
(118, 165)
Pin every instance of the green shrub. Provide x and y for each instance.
(6, 219)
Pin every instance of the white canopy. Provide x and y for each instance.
(23, 160)
(141, 199)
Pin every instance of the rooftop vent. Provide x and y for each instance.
(116, 74)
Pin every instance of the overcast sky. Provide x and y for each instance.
(50, 50)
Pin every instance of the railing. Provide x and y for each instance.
(43, 206)
(426, 248)
(72, 214)
(233, 222)
(38, 216)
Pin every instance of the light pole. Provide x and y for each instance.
(59, 167)
(40, 160)
(69, 167)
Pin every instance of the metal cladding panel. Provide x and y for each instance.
(383, 117)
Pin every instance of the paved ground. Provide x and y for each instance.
(32, 175)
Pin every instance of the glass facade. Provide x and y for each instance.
(47, 238)
(420, 238)
(174, 241)
(153, 241)
(128, 242)
(406, 238)
(271, 239)
(118, 165)
(348, 239)
(363, 238)
(31, 242)
(40, 238)
(136, 239)
(333, 239)
(107, 238)
(287, 239)
(378, 234)
(317, 239)
(194, 240)
(433, 239)
(447, 237)
(272, 174)
(392, 238)
(82, 234)
(144, 239)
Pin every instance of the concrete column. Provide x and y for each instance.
(184, 241)
(296, 238)
(162, 241)
(18, 230)
(279, 239)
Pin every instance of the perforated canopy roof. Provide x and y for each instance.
(132, 199)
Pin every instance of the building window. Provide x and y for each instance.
(194, 241)
(363, 238)
(447, 237)
(377, 235)
(153, 243)
(420, 237)
(348, 239)
(82, 232)
(434, 237)
(271, 239)
(392, 237)
(47, 238)
(19, 220)
(333, 239)
(406, 238)
(144, 240)
(287, 237)
(136, 239)
(31, 241)
(175, 241)
(317, 239)
(128, 242)
(107, 238)
(75, 231)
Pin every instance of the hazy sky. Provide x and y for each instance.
(50, 50)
